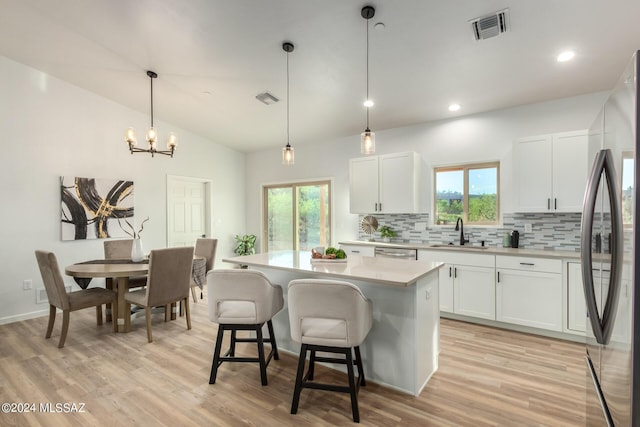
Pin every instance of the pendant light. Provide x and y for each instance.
(368, 138)
(288, 157)
(152, 134)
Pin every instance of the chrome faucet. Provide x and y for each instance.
(460, 226)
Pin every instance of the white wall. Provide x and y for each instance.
(474, 138)
(50, 128)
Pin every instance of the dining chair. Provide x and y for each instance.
(69, 301)
(121, 249)
(242, 300)
(328, 316)
(205, 248)
(168, 282)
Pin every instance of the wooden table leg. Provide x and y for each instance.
(124, 313)
(109, 285)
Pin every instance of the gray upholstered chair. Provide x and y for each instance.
(328, 316)
(68, 302)
(242, 300)
(121, 249)
(168, 282)
(205, 248)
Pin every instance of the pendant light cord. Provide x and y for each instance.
(151, 78)
(367, 73)
(288, 99)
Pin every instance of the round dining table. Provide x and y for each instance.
(119, 272)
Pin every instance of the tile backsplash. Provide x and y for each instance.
(549, 231)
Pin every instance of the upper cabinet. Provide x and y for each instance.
(387, 183)
(550, 172)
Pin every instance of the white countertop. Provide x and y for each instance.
(489, 251)
(385, 271)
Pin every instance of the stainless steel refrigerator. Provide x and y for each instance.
(609, 237)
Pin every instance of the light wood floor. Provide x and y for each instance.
(487, 377)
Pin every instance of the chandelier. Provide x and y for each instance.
(152, 134)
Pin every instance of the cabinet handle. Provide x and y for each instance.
(555, 204)
(527, 263)
(498, 277)
(355, 252)
(376, 208)
(380, 206)
(455, 272)
(449, 271)
(548, 204)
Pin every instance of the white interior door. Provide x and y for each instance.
(188, 213)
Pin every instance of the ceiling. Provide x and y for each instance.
(214, 56)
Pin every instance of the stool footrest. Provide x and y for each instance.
(229, 355)
(305, 380)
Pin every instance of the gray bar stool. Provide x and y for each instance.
(328, 316)
(242, 300)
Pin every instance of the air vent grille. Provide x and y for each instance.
(266, 98)
(490, 25)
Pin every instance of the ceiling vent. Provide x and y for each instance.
(266, 98)
(490, 25)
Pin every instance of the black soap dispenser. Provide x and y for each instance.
(515, 239)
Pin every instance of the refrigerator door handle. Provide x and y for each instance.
(602, 327)
(616, 247)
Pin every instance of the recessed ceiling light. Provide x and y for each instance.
(368, 103)
(454, 107)
(566, 56)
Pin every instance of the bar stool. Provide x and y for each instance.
(328, 316)
(242, 300)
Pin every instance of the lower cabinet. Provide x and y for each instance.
(576, 307)
(467, 283)
(474, 291)
(364, 250)
(529, 292)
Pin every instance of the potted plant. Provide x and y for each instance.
(245, 245)
(386, 233)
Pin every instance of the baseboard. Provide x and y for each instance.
(25, 316)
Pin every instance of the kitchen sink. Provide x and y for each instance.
(445, 245)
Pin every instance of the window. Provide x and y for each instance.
(469, 192)
(297, 215)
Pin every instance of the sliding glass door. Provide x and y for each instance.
(297, 216)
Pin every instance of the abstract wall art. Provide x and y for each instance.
(95, 208)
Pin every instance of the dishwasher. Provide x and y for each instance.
(397, 253)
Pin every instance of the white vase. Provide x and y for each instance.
(137, 253)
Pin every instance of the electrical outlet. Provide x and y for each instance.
(527, 228)
(419, 226)
(27, 284)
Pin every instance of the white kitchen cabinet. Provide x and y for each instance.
(550, 172)
(387, 183)
(364, 250)
(467, 284)
(474, 291)
(529, 292)
(576, 307)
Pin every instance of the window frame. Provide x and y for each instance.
(295, 229)
(465, 168)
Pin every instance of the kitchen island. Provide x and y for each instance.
(401, 350)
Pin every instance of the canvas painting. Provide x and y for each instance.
(95, 208)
